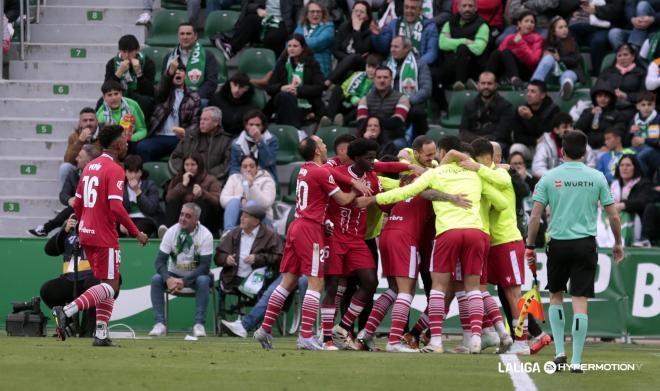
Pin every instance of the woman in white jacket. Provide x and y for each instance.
(251, 184)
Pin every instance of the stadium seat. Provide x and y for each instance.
(436, 132)
(566, 105)
(288, 143)
(156, 54)
(189, 292)
(173, 4)
(259, 98)
(256, 62)
(159, 173)
(164, 27)
(328, 135)
(222, 64)
(457, 102)
(516, 98)
(608, 61)
(290, 198)
(218, 22)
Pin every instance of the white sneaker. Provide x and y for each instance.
(640, 243)
(475, 344)
(489, 339)
(264, 338)
(342, 338)
(505, 343)
(145, 18)
(235, 327)
(198, 330)
(161, 231)
(308, 343)
(520, 348)
(367, 341)
(594, 21)
(330, 346)
(159, 330)
(430, 348)
(399, 348)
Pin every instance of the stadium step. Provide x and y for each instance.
(62, 107)
(21, 187)
(92, 14)
(36, 167)
(56, 70)
(97, 3)
(16, 225)
(49, 89)
(102, 33)
(70, 52)
(33, 147)
(30, 206)
(41, 128)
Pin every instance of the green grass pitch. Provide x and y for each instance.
(240, 364)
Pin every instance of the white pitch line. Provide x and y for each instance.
(521, 380)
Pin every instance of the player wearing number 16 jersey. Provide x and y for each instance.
(99, 206)
(304, 243)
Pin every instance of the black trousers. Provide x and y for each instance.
(336, 106)
(347, 65)
(417, 118)
(249, 31)
(59, 292)
(461, 65)
(506, 63)
(58, 220)
(651, 222)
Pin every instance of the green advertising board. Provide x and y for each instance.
(627, 298)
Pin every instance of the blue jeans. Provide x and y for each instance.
(64, 171)
(201, 286)
(256, 314)
(649, 159)
(618, 37)
(155, 147)
(232, 213)
(594, 37)
(545, 68)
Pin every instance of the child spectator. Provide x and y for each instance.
(117, 110)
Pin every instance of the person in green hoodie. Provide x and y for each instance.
(117, 110)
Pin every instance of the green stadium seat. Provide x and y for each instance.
(290, 198)
(259, 98)
(288, 143)
(457, 102)
(159, 173)
(164, 27)
(566, 105)
(222, 64)
(156, 54)
(436, 132)
(256, 62)
(608, 61)
(218, 21)
(173, 4)
(328, 135)
(516, 98)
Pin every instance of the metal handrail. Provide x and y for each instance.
(2, 31)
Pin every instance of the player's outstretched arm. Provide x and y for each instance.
(615, 223)
(420, 184)
(344, 198)
(454, 156)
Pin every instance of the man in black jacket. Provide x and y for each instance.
(487, 115)
(141, 199)
(234, 100)
(533, 119)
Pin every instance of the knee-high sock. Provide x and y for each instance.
(353, 311)
(580, 326)
(90, 298)
(476, 309)
(310, 308)
(400, 313)
(275, 304)
(422, 323)
(492, 312)
(103, 314)
(328, 320)
(436, 315)
(557, 324)
(380, 308)
(463, 311)
(341, 289)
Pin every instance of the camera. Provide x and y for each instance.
(33, 306)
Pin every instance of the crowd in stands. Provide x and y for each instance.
(387, 70)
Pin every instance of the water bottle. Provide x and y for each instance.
(595, 123)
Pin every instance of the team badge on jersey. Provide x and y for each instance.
(120, 184)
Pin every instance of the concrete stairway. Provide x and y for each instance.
(62, 72)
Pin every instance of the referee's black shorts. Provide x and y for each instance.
(575, 260)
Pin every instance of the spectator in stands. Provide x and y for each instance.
(518, 54)
(234, 99)
(627, 77)
(194, 184)
(85, 133)
(251, 185)
(549, 153)
(266, 21)
(412, 78)
(141, 198)
(319, 34)
(389, 105)
(421, 31)
(643, 16)
(608, 161)
(135, 72)
(463, 43)
(117, 110)
(650, 49)
(652, 81)
(491, 11)
(488, 115)
(59, 291)
(543, 10)
(371, 130)
(183, 261)
(87, 153)
(201, 66)
(561, 58)
(603, 115)
(352, 43)
(256, 141)
(210, 141)
(587, 27)
(12, 10)
(630, 191)
(533, 119)
(342, 106)
(651, 222)
(517, 163)
(296, 85)
(645, 133)
(176, 113)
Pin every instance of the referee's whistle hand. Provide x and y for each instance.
(617, 253)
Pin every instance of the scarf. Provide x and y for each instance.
(623, 70)
(308, 30)
(557, 141)
(621, 194)
(414, 33)
(407, 75)
(427, 9)
(248, 146)
(653, 45)
(269, 22)
(194, 67)
(129, 79)
(125, 113)
(184, 241)
(356, 86)
(644, 124)
(296, 76)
